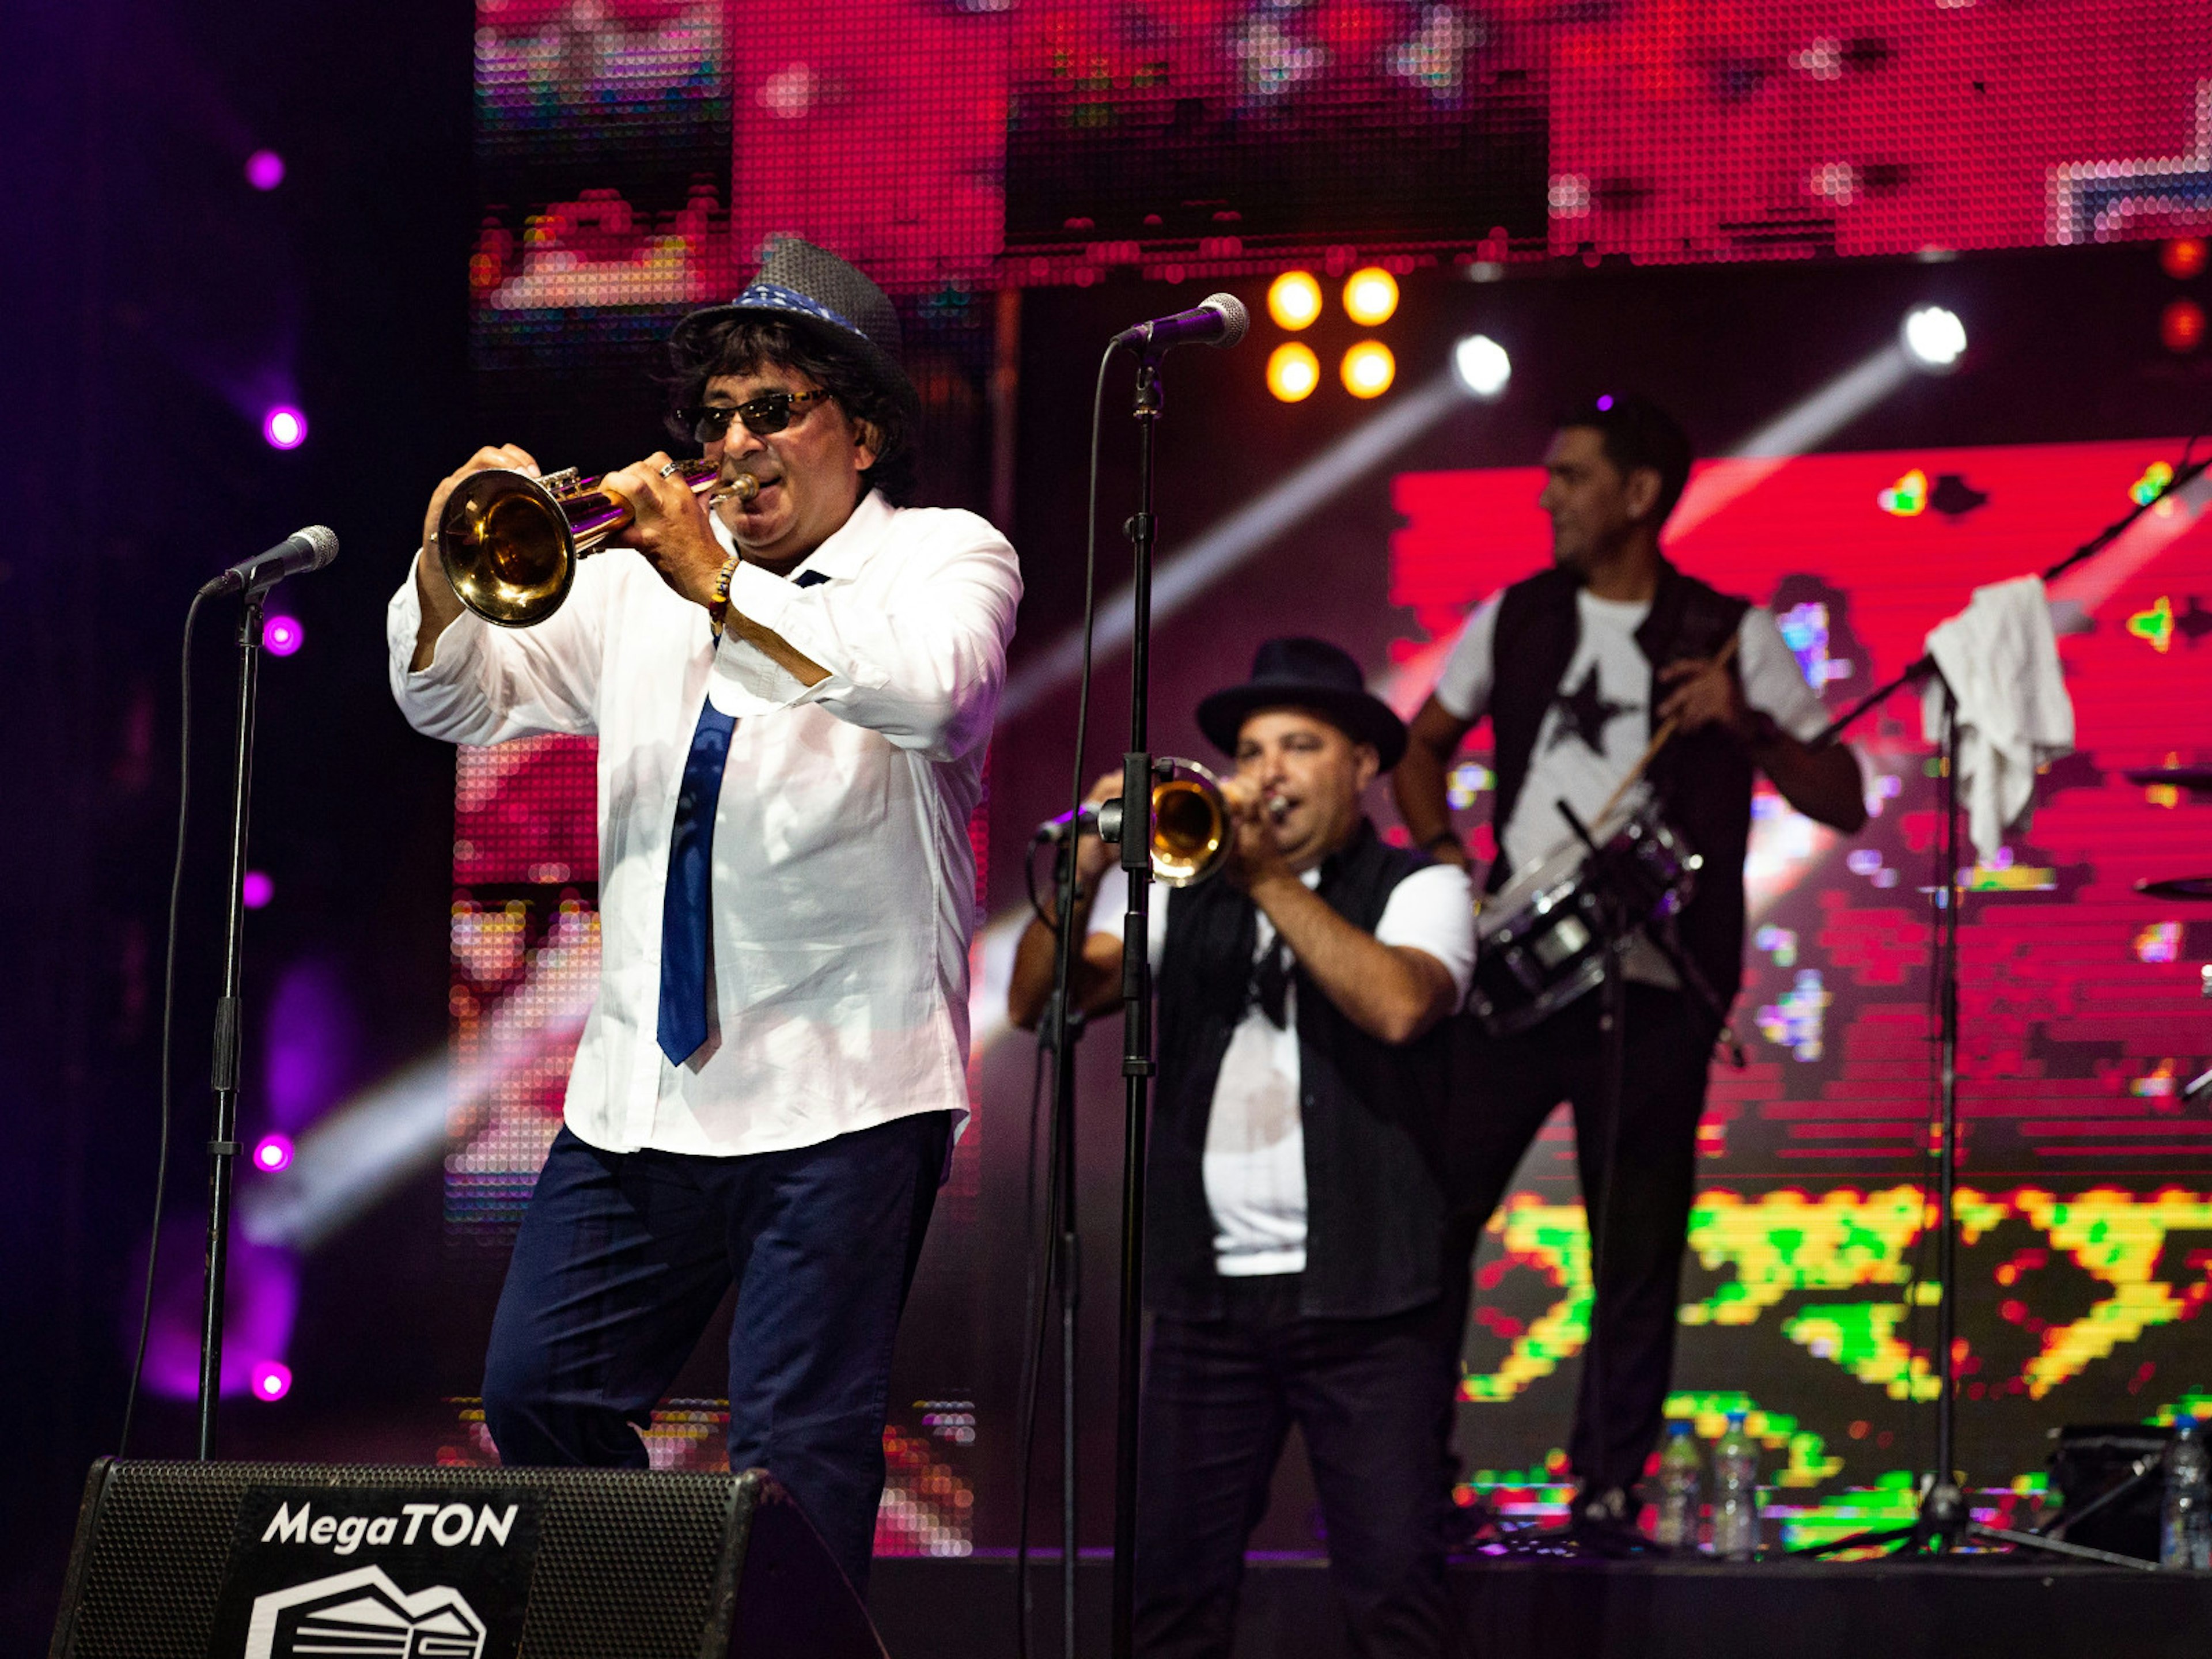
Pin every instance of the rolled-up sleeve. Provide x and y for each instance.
(919, 658)
(486, 684)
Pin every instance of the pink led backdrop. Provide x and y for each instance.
(634, 155)
(2088, 1182)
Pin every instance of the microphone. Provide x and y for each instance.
(1219, 319)
(297, 554)
(1053, 831)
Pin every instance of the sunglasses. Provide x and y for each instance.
(764, 416)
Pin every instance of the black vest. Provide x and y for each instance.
(1372, 1111)
(1703, 780)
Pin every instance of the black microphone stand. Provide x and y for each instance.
(222, 1138)
(1944, 1520)
(1135, 837)
(1062, 1029)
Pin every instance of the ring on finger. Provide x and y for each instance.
(668, 470)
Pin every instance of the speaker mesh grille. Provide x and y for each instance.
(625, 1561)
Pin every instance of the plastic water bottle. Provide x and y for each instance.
(1679, 1465)
(1735, 1492)
(2184, 1534)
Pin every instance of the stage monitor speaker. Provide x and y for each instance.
(2110, 1480)
(274, 1561)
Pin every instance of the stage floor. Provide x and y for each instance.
(1521, 1608)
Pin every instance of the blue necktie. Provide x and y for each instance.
(683, 907)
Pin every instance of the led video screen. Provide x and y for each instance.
(634, 156)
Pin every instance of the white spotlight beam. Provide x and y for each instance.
(1235, 539)
(1806, 424)
(354, 1156)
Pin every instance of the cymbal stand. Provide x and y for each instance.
(1944, 1521)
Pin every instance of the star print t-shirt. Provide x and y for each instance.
(1600, 720)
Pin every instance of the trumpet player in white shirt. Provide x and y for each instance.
(792, 693)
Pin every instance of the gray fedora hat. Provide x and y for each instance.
(829, 298)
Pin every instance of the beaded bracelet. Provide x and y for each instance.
(718, 611)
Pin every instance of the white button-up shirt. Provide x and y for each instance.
(843, 889)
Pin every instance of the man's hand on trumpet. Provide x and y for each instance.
(669, 527)
(433, 591)
(492, 457)
(1256, 852)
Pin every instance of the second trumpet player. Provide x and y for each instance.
(1296, 1217)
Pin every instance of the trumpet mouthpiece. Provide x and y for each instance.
(743, 487)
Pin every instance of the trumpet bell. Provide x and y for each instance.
(1190, 824)
(507, 547)
(509, 543)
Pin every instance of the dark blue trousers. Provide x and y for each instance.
(1373, 1399)
(623, 1258)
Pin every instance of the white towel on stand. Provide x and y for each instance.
(1999, 658)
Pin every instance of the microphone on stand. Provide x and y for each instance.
(297, 554)
(1053, 831)
(1219, 319)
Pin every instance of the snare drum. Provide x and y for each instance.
(1540, 941)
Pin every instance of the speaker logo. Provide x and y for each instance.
(364, 1612)
(382, 1571)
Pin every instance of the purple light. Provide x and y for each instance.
(272, 1379)
(285, 427)
(1605, 400)
(258, 1315)
(265, 169)
(272, 1152)
(257, 890)
(282, 636)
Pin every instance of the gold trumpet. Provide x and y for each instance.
(509, 543)
(1190, 822)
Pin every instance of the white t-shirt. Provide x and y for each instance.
(1255, 1162)
(1598, 722)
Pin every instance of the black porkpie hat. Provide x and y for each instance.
(829, 298)
(1305, 673)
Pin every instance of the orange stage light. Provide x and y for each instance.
(1368, 368)
(1293, 372)
(1294, 299)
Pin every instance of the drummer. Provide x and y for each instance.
(1577, 667)
(1295, 1259)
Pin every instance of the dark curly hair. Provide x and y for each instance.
(744, 343)
(1636, 433)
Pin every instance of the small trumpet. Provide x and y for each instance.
(509, 543)
(1190, 823)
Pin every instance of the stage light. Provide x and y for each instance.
(1481, 366)
(2183, 257)
(272, 1152)
(257, 889)
(272, 1379)
(265, 169)
(1371, 296)
(1934, 337)
(1294, 299)
(1293, 372)
(2181, 326)
(1368, 368)
(282, 636)
(284, 427)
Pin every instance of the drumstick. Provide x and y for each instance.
(1658, 742)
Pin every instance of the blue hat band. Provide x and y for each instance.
(774, 296)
